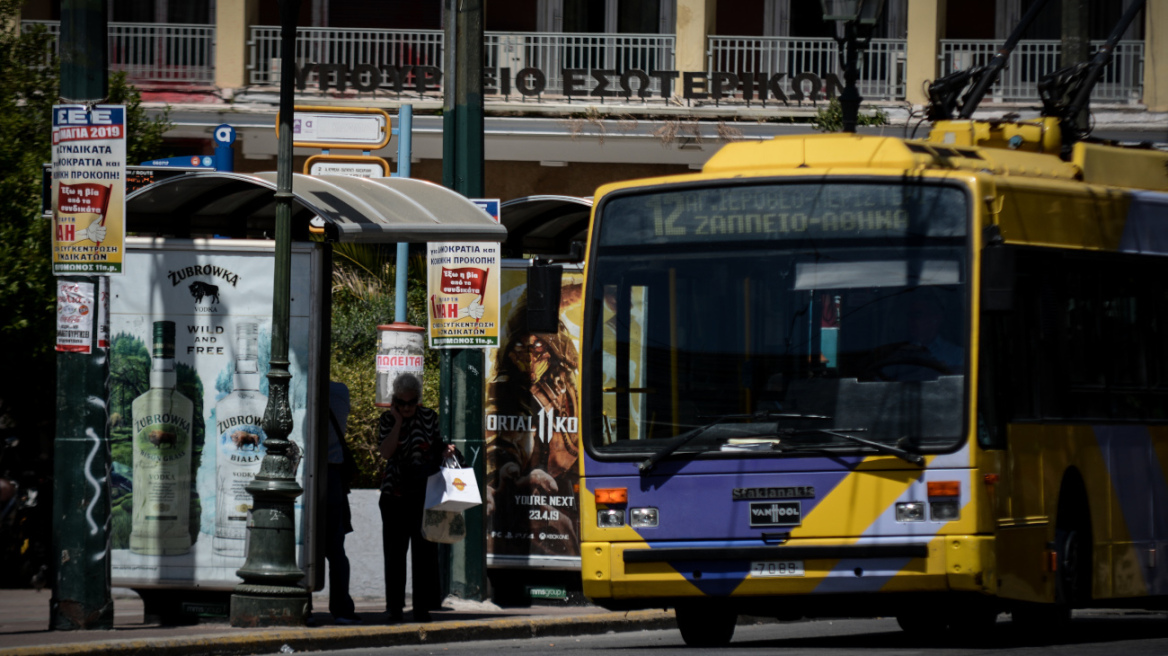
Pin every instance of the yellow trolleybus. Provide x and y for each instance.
(851, 375)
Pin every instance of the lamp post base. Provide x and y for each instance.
(268, 605)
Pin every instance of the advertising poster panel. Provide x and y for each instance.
(532, 419)
(75, 307)
(188, 387)
(89, 189)
(462, 294)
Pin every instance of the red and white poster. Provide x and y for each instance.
(89, 189)
(75, 308)
(463, 294)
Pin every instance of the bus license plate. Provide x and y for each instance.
(761, 568)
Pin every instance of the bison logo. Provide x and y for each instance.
(200, 289)
(162, 438)
(244, 438)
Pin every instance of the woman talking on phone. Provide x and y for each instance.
(413, 450)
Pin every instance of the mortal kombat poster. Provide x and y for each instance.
(532, 428)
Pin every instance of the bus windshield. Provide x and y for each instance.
(778, 318)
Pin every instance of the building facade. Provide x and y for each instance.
(583, 92)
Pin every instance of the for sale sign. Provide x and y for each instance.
(89, 189)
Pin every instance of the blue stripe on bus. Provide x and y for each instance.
(1146, 230)
(1139, 487)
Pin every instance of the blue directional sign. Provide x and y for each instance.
(488, 205)
(195, 161)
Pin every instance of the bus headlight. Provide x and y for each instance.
(611, 518)
(944, 511)
(643, 517)
(910, 511)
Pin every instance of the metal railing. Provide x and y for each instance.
(384, 55)
(882, 65)
(1122, 81)
(155, 53)
(390, 53)
(552, 52)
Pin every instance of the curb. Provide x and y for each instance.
(336, 638)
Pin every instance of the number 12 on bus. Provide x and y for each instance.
(925, 382)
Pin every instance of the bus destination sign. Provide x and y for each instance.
(793, 211)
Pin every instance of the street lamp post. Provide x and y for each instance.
(270, 594)
(859, 19)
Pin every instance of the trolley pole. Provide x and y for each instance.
(461, 370)
(81, 452)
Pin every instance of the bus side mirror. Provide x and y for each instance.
(543, 297)
(997, 278)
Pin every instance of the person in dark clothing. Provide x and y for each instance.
(338, 521)
(413, 450)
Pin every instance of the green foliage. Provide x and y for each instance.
(831, 118)
(121, 520)
(28, 90)
(363, 298)
(29, 87)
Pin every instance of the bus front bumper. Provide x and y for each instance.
(650, 572)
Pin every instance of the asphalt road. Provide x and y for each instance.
(1092, 633)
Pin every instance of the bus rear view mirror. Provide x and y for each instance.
(543, 297)
(997, 278)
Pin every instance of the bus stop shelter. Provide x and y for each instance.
(203, 272)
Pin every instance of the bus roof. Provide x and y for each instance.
(1091, 163)
(852, 151)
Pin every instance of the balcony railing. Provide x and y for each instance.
(392, 58)
(882, 66)
(156, 53)
(1122, 80)
(551, 53)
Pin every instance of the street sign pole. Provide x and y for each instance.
(82, 598)
(461, 387)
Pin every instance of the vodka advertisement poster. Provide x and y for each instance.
(89, 189)
(189, 356)
(532, 419)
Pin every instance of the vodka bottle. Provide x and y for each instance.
(239, 445)
(160, 521)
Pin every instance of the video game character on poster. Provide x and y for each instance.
(533, 437)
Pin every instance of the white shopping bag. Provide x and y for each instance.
(452, 489)
(443, 526)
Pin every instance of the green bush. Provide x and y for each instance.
(831, 118)
(29, 87)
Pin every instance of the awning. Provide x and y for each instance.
(367, 210)
(544, 225)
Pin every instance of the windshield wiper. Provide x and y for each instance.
(912, 458)
(686, 438)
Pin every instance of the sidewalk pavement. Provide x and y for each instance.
(24, 620)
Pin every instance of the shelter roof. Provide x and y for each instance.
(544, 225)
(353, 209)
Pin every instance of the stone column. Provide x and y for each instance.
(233, 21)
(926, 24)
(1156, 56)
(695, 22)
